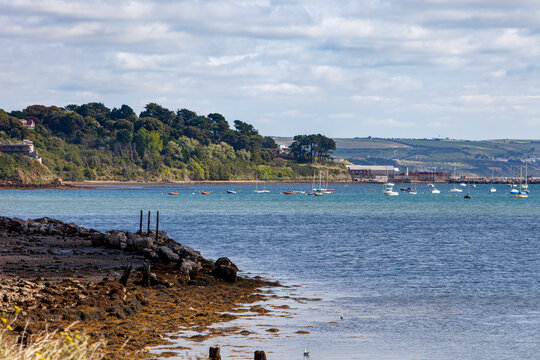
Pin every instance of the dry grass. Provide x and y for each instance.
(55, 345)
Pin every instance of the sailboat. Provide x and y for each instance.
(492, 189)
(257, 187)
(434, 190)
(523, 192)
(455, 189)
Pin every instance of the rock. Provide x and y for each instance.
(137, 242)
(167, 254)
(226, 262)
(150, 254)
(98, 239)
(114, 239)
(117, 311)
(188, 266)
(225, 270)
(92, 313)
(18, 225)
(185, 251)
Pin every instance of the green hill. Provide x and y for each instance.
(504, 157)
(93, 142)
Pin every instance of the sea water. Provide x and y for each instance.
(426, 276)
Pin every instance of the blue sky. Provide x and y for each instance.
(418, 68)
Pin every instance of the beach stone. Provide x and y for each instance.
(225, 270)
(189, 266)
(98, 239)
(18, 225)
(185, 251)
(167, 254)
(114, 239)
(150, 254)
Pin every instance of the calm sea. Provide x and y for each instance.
(415, 276)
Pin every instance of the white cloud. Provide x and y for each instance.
(474, 60)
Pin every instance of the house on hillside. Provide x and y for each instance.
(25, 148)
(29, 124)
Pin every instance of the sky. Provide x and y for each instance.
(464, 69)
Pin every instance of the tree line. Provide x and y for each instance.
(91, 141)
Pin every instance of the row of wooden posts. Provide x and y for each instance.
(148, 227)
(214, 354)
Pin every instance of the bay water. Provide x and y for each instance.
(415, 276)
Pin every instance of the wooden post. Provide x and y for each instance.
(148, 228)
(157, 226)
(125, 275)
(140, 224)
(214, 354)
(260, 355)
(146, 275)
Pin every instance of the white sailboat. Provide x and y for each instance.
(455, 189)
(257, 187)
(434, 190)
(492, 189)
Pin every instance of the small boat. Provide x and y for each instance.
(522, 194)
(316, 193)
(435, 190)
(468, 196)
(462, 184)
(455, 189)
(173, 193)
(205, 192)
(514, 191)
(388, 190)
(492, 189)
(289, 192)
(231, 191)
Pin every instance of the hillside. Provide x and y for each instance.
(93, 142)
(504, 157)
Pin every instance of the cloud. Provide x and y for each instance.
(465, 60)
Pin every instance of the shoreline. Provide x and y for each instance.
(95, 184)
(59, 274)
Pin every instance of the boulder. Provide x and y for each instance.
(98, 239)
(115, 239)
(225, 270)
(167, 254)
(150, 254)
(18, 225)
(185, 251)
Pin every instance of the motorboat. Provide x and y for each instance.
(388, 190)
(173, 193)
(289, 192)
(231, 191)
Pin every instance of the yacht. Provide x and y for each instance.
(388, 190)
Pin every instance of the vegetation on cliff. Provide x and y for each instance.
(93, 142)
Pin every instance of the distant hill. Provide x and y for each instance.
(504, 157)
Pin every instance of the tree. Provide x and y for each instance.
(308, 148)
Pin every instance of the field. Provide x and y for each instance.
(501, 157)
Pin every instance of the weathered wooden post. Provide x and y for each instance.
(148, 227)
(140, 224)
(214, 354)
(260, 355)
(125, 275)
(157, 226)
(146, 275)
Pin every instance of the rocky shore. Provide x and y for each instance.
(130, 289)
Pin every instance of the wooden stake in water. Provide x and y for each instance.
(148, 228)
(140, 224)
(157, 226)
(260, 355)
(214, 354)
